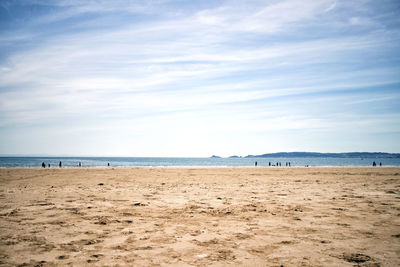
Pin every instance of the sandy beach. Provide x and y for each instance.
(318, 216)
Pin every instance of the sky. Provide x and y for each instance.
(196, 78)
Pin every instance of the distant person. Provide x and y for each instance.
(269, 163)
(60, 164)
(48, 165)
(108, 164)
(43, 165)
(374, 164)
(80, 164)
(289, 163)
(380, 164)
(255, 163)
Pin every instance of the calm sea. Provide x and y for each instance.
(140, 161)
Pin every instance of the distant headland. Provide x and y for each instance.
(322, 155)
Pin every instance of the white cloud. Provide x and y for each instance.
(239, 69)
(331, 7)
(361, 21)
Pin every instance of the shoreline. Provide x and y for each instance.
(204, 167)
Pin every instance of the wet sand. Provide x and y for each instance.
(319, 216)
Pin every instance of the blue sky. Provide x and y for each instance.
(196, 78)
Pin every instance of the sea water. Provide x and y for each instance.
(170, 162)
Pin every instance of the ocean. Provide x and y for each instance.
(170, 162)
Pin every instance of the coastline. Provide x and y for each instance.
(195, 216)
(200, 167)
(191, 162)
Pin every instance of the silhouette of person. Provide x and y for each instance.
(48, 165)
(43, 165)
(380, 164)
(289, 163)
(373, 164)
(255, 163)
(60, 164)
(108, 164)
(80, 164)
(269, 163)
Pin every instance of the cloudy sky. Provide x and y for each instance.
(196, 78)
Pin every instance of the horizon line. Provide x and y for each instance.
(213, 155)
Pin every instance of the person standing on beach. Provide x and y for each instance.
(43, 165)
(255, 164)
(60, 164)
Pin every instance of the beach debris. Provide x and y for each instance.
(91, 242)
(100, 184)
(299, 209)
(101, 222)
(97, 255)
(13, 212)
(137, 203)
(356, 257)
(202, 256)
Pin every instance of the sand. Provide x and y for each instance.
(319, 216)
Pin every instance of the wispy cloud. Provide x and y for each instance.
(202, 69)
